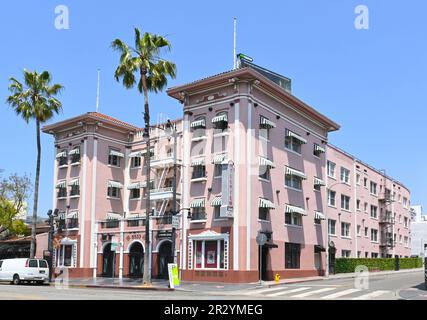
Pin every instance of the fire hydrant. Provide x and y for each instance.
(277, 278)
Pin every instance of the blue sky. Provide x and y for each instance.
(372, 82)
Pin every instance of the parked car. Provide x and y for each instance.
(24, 270)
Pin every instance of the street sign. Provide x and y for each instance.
(173, 275)
(175, 222)
(261, 239)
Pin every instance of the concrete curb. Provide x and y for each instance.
(97, 286)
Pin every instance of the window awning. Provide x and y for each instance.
(197, 162)
(117, 154)
(219, 159)
(264, 203)
(265, 162)
(62, 154)
(294, 172)
(136, 216)
(296, 136)
(265, 123)
(74, 182)
(220, 118)
(137, 185)
(114, 184)
(62, 215)
(145, 151)
(73, 215)
(61, 184)
(295, 209)
(198, 124)
(217, 202)
(113, 216)
(197, 203)
(136, 154)
(318, 148)
(74, 151)
(319, 216)
(319, 182)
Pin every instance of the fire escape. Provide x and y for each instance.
(386, 221)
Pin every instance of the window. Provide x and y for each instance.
(65, 257)
(62, 158)
(292, 255)
(331, 198)
(113, 159)
(293, 218)
(135, 193)
(374, 255)
(405, 222)
(373, 188)
(366, 232)
(264, 214)
(405, 202)
(264, 128)
(374, 212)
(220, 122)
(345, 202)
(345, 253)
(365, 182)
(331, 169)
(62, 192)
(75, 155)
(292, 142)
(358, 230)
(113, 192)
(374, 235)
(331, 227)
(199, 127)
(199, 171)
(345, 175)
(218, 170)
(405, 240)
(43, 264)
(293, 181)
(210, 254)
(365, 207)
(33, 263)
(345, 229)
(135, 162)
(75, 190)
(318, 150)
(358, 179)
(366, 254)
(358, 204)
(217, 212)
(264, 172)
(198, 213)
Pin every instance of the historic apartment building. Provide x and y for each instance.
(252, 159)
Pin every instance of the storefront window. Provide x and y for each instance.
(65, 256)
(210, 254)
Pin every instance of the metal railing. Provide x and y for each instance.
(195, 216)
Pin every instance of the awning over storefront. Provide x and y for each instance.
(117, 154)
(319, 215)
(294, 172)
(220, 118)
(265, 123)
(197, 203)
(198, 124)
(296, 136)
(74, 151)
(295, 209)
(115, 184)
(264, 203)
(216, 202)
(62, 154)
(319, 182)
(219, 159)
(197, 162)
(319, 149)
(265, 162)
(74, 182)
(113, 216)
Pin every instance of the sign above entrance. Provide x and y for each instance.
(161, 234)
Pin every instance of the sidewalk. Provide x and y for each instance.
(108, 283)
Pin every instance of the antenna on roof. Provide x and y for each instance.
(235, 44)
(97, 93)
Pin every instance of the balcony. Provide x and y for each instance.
(163, 194)
(385, 198)
(159, 162)
(63, 225)
(387, 243)
(386, 220)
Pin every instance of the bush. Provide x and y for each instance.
(348, 265)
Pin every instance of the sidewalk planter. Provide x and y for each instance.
(348, 265)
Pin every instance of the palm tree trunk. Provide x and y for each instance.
(36, 194)
(147, 251)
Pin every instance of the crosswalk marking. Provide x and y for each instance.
(264, 290)
(370, 295)
(281, 293)
(310, 293)
(340, 294)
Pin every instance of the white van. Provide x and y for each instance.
(19, 270)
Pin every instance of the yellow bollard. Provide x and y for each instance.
(277, 278)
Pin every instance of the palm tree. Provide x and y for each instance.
(35, 100)
(144, 61)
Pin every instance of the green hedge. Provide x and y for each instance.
(348, 265)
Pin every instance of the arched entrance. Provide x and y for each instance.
(136, 260)
(165, 257)
(107, 261)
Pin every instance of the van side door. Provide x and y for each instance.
(1, 270)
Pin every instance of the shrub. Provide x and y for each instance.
(348, 265)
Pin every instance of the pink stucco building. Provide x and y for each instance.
(252, 159)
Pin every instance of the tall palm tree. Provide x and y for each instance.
(144, 61)
(35, 100)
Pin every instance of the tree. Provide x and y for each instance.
(144, 61)
(35, 100)
(14, 193)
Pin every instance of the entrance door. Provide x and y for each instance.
(262, 262)
(107, 261)
(136, 260)
(165, 257)
(332, 252)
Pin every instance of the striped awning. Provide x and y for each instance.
(61, 184)
(62, 154)
(219, 159)
(319, 182)
(295, 209)
(114, 184)
(137, 185)
(294, 172)
(318, 148)
(145, 151)
(136, 154)
(296, 136)
(117, 154)
(136, 216)
(264, 203)
(197, 203)
(113, 216)
(74, 151)
(221, 118)
(62, 215)
(73, 215)
(265, 123)
(319, 216)
(198, 124)
(265, 162)
(74, 182)
(216, 202)
(197, 162)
